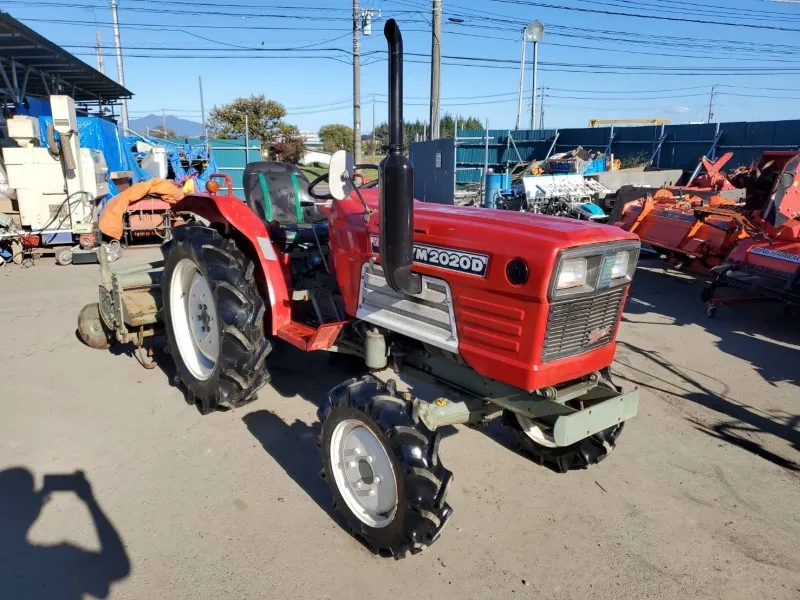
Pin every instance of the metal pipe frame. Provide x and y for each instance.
(11, 88)
(140, 279)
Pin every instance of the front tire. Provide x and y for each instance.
(214, 318)
(534, 441)
(383, 468)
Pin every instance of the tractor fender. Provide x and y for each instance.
(235, 215)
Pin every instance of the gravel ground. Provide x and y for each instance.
(699, 500)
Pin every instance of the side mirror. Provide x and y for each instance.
(340, 174)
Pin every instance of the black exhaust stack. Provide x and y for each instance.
(397, 182)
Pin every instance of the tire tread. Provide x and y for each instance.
(414, 448)
(240, 307)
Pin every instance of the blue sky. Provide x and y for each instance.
(594, 65)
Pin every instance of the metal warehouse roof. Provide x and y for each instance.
(31, 65)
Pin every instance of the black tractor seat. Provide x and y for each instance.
(278, 193)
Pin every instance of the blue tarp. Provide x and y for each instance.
(176, 152)
(34, 107)
(99, 134)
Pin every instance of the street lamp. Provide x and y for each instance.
(534, 32)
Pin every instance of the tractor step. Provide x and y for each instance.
(309, 338)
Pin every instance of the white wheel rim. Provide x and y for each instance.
(194, 319)
(363, 473)
(540, 435)
(113, 250)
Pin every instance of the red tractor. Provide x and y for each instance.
(511, 314)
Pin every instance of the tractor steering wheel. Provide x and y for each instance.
(324, 177)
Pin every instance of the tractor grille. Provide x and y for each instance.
(426, 317)
(577, 326)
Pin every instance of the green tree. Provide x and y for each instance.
(336, 137)
(381, 134)
(412, 129)
(448, 122)
(290, 146)
(264, 117)
(264, 122)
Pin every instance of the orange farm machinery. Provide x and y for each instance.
(742, 229)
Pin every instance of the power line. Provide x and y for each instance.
(183, 26)
(617, 99)
(246, 6)
(476, 62)
(242, 49)
(640, 16)
(604, 35)
(639, 91)
(697, 10)
(310, 48)
(183, 13)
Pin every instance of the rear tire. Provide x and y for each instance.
(369, 433)
(219, 351)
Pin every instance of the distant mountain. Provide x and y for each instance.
(182, 127)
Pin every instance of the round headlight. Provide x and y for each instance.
(517, 271)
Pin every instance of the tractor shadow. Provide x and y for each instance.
(294, 445)
(312, 375)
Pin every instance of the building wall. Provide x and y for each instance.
(314, 156)
(312, 140)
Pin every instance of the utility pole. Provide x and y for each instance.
(163, 122)
(203, 111)
(541, 109)
(373, 124)
(533, 87)
(99, 49)
(521, 77)
(535, 33)
(711, 102)
(436, 61)
(120, 71)
(246, 140)
(356, 84)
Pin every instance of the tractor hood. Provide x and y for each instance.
(490, 231)
(510, 230)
